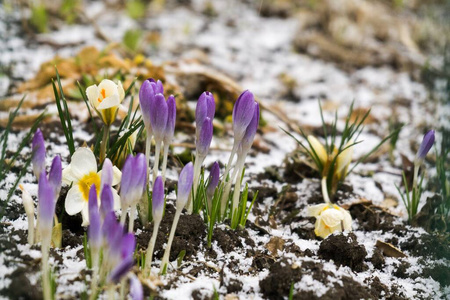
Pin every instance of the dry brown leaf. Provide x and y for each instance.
(274, 245)
(389, 249)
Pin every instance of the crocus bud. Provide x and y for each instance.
(105, 99)
(206, 108)
(214, 175)
(146, 97)
(171, 118)
(107, 200)
(27, 202)
(158, 199)
(136, 291)
(243, 112)
(205, 137)
(157, 86)
(185, 185)
(94, 230)
(250, 132)
(158, 116)
(38, 153)
(134, 179)
(425, 146)
(318, 148)
(55, 175)
(47, 202)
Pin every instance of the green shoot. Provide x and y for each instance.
(180, 257)
(411, 197)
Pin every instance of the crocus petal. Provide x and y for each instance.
(315, 210)
(205, 137)
(74, 201)
(85, 216)
(158, 116)
(94, 230)
(38, 153)
(171, 118)
(93, 95)
(242, 114)
(107, 200)
(108, 102)
(128, 245)
(146, 97)
(67, 176)
(83, 162)
(425, 146)
(109, 86)
(158, 199)
(185, 184)
(136, 291)
(55, 175)
(121, 270)
(46, 196)
(318, 148)
(332, 217)
(121, 91)
(116, 199)
(250, 132)
(117, 175)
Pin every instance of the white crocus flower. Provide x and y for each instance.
(82, 173)
(105, 99)
(330, 218)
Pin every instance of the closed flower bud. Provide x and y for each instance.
(94, 230)
(185, 184)
(55, 175)
(243, 112)
(206, 108)
(171, 118)
(250, 132)
(47, 202)
(158, 117)
(136, 291)
(425, 146)
(134, 179)
(214, 176)
(38, 153)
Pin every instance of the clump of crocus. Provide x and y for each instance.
(105, 100)
(157, 213)
(412, 201)
(330, 218)
(184, 190)
(243, 115)
(133, 186)
(82, 174)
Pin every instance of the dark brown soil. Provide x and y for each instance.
(343, 249)
(370, 217)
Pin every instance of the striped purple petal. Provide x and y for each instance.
(38, 153)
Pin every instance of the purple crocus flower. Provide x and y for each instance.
(157, 86)
(47, 203)
(158, 199)
(250, 132)
(171, 118)
(205, 137)
(214, 176)
(55, 175)
(243, 112)
(185, 184)
(134, 179)
(206, 108)
(158, 116)
(136, 291)
(38, 153)
(121, 269)
(94, 230)
(425, 146)
(147, 92)
(107, 203)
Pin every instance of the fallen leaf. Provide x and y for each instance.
(389, 249)
(274, 245)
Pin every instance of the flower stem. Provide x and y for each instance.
(151, 246)
(148, 145)
(31, 229)
(104, 143)
(237, 189)
(325, 190)
(197, 169)
(131, 220)
(156, 165)
(95, 267)
(226, 192)
(45, 248)
(165, 259)
(164, 165)
(123, 215)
